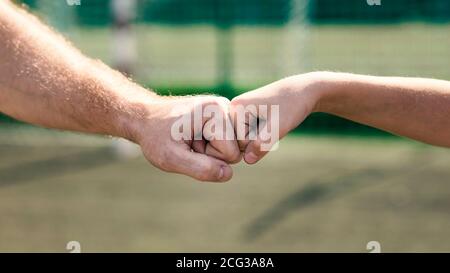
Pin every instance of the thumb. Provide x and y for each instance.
(260, 119)
(264, 142)
(200, 166)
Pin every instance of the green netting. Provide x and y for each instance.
(230, 46)
(96, 12)
(390, 11)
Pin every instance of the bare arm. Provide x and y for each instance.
(412, 107)
(46, 81)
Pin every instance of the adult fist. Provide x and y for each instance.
(188, 135)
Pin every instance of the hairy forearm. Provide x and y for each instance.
(413, 107)
(47, 82)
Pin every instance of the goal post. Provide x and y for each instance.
(294, 57)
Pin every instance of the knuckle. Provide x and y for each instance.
(243, 144)
(235, 102)
(234, 156)
(256, 145)
(211, 100)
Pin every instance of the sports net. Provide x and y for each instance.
(230, 46)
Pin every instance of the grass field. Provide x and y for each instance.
(313, 194)
(186, 56)
(317, 193)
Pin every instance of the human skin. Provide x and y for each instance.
(47, 82)
(416, 108)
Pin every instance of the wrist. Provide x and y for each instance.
(309, 89)
(322, 87)
(131, 120)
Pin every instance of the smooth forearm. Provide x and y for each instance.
(413, 107)
(45, 81)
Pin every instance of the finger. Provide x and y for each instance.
(219, 131)
(227, 150)
(199, 146)
(244, 116)
(200, 166)
(262, 122)
(213, 151)
(253, 152)
(258, 147)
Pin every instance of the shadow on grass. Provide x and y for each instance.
(308, 195)
(29, 171)
(326, 189)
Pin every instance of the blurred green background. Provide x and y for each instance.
(332, 186)
(228, 47)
